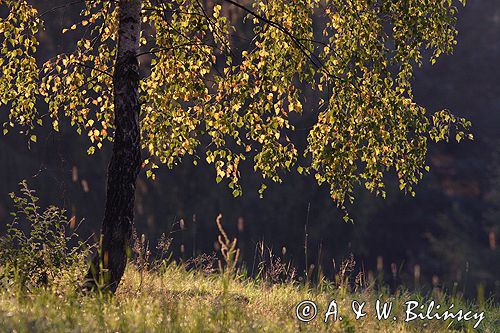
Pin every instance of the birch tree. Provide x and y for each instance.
(167, 79)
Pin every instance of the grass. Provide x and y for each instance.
(40, 272)
(180, 300)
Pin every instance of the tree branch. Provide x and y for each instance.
(315, 60)
(166, 49)
(92, 68)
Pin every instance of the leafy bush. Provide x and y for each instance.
(37, 250)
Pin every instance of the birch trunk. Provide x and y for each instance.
(116, 230)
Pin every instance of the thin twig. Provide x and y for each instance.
(92, 68)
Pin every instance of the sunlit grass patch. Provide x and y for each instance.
(177, 300)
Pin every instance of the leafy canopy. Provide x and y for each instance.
(203, 94)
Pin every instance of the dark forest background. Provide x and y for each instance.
(446, 234)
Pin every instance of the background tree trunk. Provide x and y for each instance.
(116, 230)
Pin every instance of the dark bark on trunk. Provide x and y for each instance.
(116, 230)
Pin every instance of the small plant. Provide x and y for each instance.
(228, 249)
(272, 268)
(164, 246)
(345, 277)
(36, 250)
(230, 254)
(203, 263)
(143, 254)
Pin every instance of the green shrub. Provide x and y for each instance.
(38, 249)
